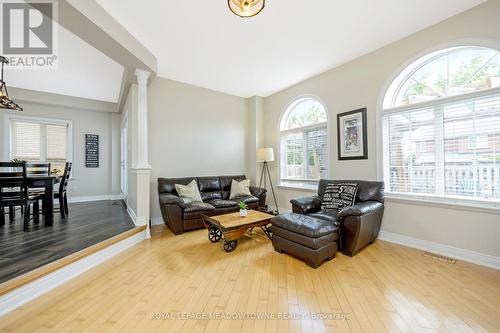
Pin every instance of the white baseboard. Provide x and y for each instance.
(442, 249)
(94, 198)
(32, 290)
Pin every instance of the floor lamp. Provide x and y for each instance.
(265, 155)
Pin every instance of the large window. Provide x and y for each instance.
(441, 126)
(37, 140)
(304, 142)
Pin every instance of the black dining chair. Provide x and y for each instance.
(14, 192)
(62, 194)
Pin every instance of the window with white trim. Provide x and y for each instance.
(449, 103)
(36, 140)
(304, 142)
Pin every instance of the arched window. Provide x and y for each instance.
(304, 142)
(441, 126)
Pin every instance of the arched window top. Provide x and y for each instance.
(303, 112)
(448, 72)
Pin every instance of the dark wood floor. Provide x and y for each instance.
(88, 223)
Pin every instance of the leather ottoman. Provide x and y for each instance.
(311, 239)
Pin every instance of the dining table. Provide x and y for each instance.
(47, 183)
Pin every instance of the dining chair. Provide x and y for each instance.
(14, 192)
(62, 193)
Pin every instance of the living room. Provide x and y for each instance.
(299, 166)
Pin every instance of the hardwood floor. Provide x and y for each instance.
(386, 287)
(88, 223)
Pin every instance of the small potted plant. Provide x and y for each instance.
(243, 209)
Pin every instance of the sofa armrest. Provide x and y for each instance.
(306, 205)
(169, 199)
(257, 191)
(359, 209)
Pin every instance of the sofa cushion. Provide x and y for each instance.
(197, 206)
(304, 225)
(367, 190)
(209, 184)
(207, 196)
(248, 199)
(220, 203)
(327, 215)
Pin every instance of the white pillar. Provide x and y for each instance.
(141, 167)
(142, 119)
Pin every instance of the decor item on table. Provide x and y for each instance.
(5, 101)
(265, 155)
(189, 193)
(239, 189)
(351, 135)
(338, 196)
(359, 224)
(243, 209)
(180, 216)
(246, 8)
(91, 150)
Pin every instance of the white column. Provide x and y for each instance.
(141, 167)
(142, 119)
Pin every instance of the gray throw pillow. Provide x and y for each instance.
(189, 192)
(240, 189)
(338, 196)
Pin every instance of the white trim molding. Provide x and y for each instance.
(95, 198)
(442, 249)
(37, 288)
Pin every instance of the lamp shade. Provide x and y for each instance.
(265, 155)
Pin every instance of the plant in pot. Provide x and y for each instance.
(243, 208)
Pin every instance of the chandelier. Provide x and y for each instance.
(5, 101)
(246, 8)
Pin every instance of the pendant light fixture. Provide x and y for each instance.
(246, 8)
(5, 101)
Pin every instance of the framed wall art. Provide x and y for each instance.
(351, 135)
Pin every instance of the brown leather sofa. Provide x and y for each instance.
(180, 217)
(359, 224)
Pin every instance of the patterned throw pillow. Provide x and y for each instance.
(189, 192)
(339, 196)
(240, 189)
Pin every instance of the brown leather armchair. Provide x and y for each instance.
(359, 224)
(180, 217)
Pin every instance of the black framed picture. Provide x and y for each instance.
(351, 135)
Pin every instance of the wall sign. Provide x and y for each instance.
(91, 150)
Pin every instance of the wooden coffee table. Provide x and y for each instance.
(230, 227)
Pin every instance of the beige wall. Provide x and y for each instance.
(194, 132)
(360, 83)
(87, 182)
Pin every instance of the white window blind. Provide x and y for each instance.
(35, 139)
(462, 148)
(305, 154)
(27, 141)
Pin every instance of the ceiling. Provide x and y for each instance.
(202, 43)
(82, 71)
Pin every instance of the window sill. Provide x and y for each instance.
(483, 206)
(298, 186)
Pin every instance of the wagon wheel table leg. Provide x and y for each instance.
(214, 234)
(230, 246)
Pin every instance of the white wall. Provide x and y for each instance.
(194, 132)
(87, 182)
(361, 83)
